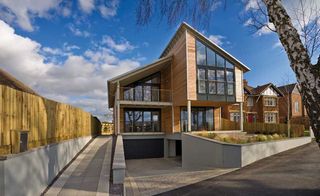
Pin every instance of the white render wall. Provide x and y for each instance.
(204, 153)
(29, 173)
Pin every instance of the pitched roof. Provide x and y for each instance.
(136, 74)
(185, 26)
(8, 80)
(287, 88)
(260, 89)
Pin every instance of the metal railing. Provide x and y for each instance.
(146, 93)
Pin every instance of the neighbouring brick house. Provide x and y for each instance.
(261, 104)
(297, 111)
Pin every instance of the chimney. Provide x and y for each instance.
(245, 82)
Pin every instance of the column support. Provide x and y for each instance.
(189, 116)
(118, 108)
(241, 116)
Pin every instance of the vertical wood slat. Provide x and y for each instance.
(47, 121)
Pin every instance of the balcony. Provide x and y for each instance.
(145, 96)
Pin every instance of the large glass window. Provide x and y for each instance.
(201, 54)
(144, 90)
(201, 119)
(215, 73)
(202, 80)
(136, 120)
(211, 57)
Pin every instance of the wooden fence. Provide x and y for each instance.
(45, 120)
(264, 128)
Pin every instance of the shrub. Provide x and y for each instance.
(262, 138)
(269, 137)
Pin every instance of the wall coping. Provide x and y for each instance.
(248, 144)
(11, 156)
(118, 157)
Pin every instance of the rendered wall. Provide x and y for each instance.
(203, 153)
(30, 173)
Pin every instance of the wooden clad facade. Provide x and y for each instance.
(180, 78)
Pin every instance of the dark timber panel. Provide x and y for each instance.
(143, 148)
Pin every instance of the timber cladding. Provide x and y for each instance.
(45, 120)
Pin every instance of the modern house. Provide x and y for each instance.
(182, 91)
(261, 104)
(293, 99)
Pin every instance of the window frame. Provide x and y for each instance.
(216, 68)
(143, 83)
(267, 101)
(142, 110)
(206, 124)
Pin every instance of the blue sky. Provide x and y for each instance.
(67, 50)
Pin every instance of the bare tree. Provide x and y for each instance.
(276, 18)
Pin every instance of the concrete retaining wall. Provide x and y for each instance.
(118, 164)
(30, 173)
(200, 153)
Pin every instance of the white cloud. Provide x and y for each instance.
(277, 45)
(86, 5)
(122, 46)
(217, 39)
(23, 12)
(251, 4)
(80, 80)
(78, 32)
(265, 30)
(109, 9)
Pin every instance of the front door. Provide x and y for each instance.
(250, 118)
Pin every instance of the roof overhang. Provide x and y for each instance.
(134, 75)
(186, 26)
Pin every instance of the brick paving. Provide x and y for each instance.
(161, 175)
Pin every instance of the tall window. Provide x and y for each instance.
(144, 90)
(296, 106)
(235, 116)
(201, 119)
(270, 101)
(215, 74)
(137, 120)
(250, 102)
(270, 117)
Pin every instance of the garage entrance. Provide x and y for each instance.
(143, 148)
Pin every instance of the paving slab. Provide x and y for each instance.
(154, 176)
(89, 173)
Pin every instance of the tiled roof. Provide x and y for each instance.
(287, 88)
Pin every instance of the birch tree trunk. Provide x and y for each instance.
(307, 74)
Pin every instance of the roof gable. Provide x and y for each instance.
(186, 27)
(267, 89)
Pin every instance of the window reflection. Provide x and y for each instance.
(201, 119)
(215, 73)
(144, 90)
(144, 120)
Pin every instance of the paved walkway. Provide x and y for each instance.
(89, 173)
(294, 172)
(154, 176)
